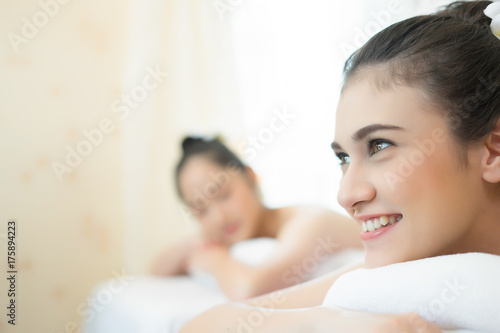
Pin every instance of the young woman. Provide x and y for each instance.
(418, 139)
(223, 195)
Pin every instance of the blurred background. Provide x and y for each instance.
(95, 97)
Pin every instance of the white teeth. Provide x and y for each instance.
(370, 226)
(377, 223)
(384, 220)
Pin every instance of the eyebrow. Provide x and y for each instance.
(367, 130)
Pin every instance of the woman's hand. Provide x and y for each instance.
(174, 260)
(208, 257)
(343, 320)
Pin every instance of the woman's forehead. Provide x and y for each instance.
(363, 103)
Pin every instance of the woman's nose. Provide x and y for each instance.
(218, 215)
(355, 188)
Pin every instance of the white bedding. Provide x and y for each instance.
(460, 293)
(162, 305)
(152, 305)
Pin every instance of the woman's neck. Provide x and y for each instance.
(489, 226)
(484, 236)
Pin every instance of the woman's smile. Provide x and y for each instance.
(374, 226)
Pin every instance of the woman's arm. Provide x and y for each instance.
(233, 317)
(297, 309)
(305, 295)
(309, 238)
(174, 260)
(238, 318)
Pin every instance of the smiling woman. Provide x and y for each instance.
(404, 111)
(416, 203)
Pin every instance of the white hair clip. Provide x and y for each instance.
(493, 12)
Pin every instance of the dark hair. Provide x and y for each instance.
(214, 150)
(453, 56)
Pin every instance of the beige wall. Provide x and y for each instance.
(59, 83)
(70, 232)
(116, 209)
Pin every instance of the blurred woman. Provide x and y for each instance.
(223, 195)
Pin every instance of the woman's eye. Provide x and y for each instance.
(344, 158)
(375, 146)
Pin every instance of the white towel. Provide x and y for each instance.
(460, 293)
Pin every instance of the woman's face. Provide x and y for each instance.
(224, 200)
(401, 169)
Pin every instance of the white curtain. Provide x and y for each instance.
(290, 55)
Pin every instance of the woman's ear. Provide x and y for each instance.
(251, 175)
(491, 160)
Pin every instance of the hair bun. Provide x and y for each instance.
(471, 11)
(191, 141)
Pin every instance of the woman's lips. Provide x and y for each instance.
(375, 227)
(231, 229)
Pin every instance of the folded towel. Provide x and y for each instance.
(460, 293)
